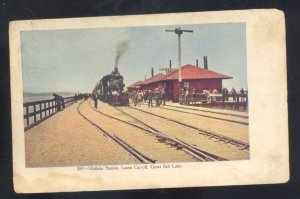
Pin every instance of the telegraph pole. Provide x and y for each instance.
(179, 32)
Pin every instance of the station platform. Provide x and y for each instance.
(217, 110)
(78, 135)
(66, 139)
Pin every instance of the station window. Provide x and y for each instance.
(186, 84)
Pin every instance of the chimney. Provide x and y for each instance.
(145, 77)
(205, 62)
(170, 63)
(152, 72)
(197, 62)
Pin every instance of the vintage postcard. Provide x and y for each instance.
(149, 101)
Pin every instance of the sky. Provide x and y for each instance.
(74, 60)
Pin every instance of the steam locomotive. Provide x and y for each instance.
(110, 88)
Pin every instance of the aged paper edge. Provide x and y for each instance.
(268, 116)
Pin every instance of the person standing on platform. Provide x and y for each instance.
(57, 102)
(225, 94)
(163, 96)
(193, 96)
(156, 97)
(150, 97)
(95, 100)
(62, 102)
(134, 98)
(233, 92)
(186, 95)
(139, 98)
(242, 92)
(75, 98)
(145, 95)
(126, 99)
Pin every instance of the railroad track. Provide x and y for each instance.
(212, 135)
(208, 116)
(212, 117)
(142, 158)
(200, 155)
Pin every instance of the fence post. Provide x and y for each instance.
(34, 111)
(40, 108)
(238, 102)
(45, 112)
(27, 112)
(40, 105)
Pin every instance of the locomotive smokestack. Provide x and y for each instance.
(170, 63)
(197, 62)
(152, 72)
(205, 62)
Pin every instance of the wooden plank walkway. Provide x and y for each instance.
(216, 110)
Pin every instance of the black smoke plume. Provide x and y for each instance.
(122, 47)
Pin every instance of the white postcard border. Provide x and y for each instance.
(268, 118)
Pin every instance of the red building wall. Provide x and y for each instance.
(173, 87)
(205, 84)
(199, 85)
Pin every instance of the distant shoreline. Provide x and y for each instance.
(31, 97)
(28, 94)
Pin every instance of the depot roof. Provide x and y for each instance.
(194, 72)
(156, 78)
(135, 85)
(187, 72)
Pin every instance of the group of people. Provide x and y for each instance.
(188, 95)
(80, 96)
(233, 92)
(59, 102)
(157, 95)
(153, 97)
(118, 98)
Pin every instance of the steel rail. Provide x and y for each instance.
(212, 117)
(194, 109)
(226, 139)
(206, 155)
(141, 157)
(197, 153)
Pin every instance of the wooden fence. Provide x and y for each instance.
(38, 111)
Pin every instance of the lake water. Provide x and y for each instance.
(43, 96)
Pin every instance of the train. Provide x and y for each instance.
(110, 89)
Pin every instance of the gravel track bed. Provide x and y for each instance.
(66, 139)
(143, 142)
(185, 134)
(229, 129)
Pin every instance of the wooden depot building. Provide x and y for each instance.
(193, 77)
